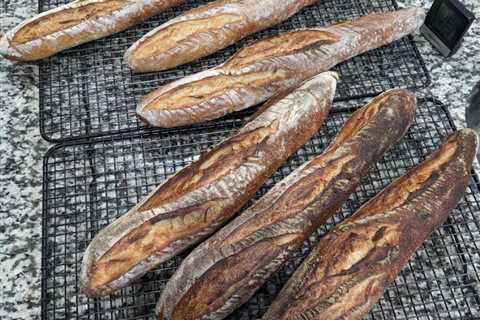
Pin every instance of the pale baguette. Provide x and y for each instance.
(262, 69)
(205, 30)
(75, 23)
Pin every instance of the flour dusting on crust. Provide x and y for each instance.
(87, 30)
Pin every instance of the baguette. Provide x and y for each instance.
(352, 266)
(226, 270)
(205, 30)
(75, 23)
(203, 196)
(258, 71)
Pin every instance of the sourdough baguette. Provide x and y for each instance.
(205, 30)
(75, 23)
(352, 266)
(258, 71)
(200, 198)
(226, 270)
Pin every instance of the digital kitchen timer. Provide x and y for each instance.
(446, 24)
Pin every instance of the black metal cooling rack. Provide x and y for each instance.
(87, 91)
(88, 185)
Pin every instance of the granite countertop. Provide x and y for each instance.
(22, 149)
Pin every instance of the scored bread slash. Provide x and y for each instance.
(199, 199)
(205, 30)
(347, 273)
(76, 23)
(223, 272)
(259, 71)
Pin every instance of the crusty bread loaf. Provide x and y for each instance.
(203, 196)
(258, 71)
(226, 270)
(205, 30)
(75, 23)
(353, 264)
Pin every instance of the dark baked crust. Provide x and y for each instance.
(203, 196)
(352, 266)
(262, 69)
(225, 271)
(205, 30)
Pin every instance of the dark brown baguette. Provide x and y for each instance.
(352, 266)
(199, 199)
(205, 30)
(75, 23)
(226, 270)
(260, 70)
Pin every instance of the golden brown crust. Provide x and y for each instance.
(138, 245)
(349, 270)
(200, 198)
(174, 36)
(205, 30)
(224, 271)
(210, 88)
(206, 170)
(76, 23)
(61, 20)
(262, 69)
(281, 45)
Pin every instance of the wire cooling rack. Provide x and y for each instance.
(87, 91)
(88, 185)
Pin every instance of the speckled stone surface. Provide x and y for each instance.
(453, 78)
(22, 149)
(21, 152)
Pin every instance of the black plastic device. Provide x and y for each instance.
(446, 24)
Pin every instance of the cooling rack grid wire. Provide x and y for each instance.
(88, 92)
(88, 184)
